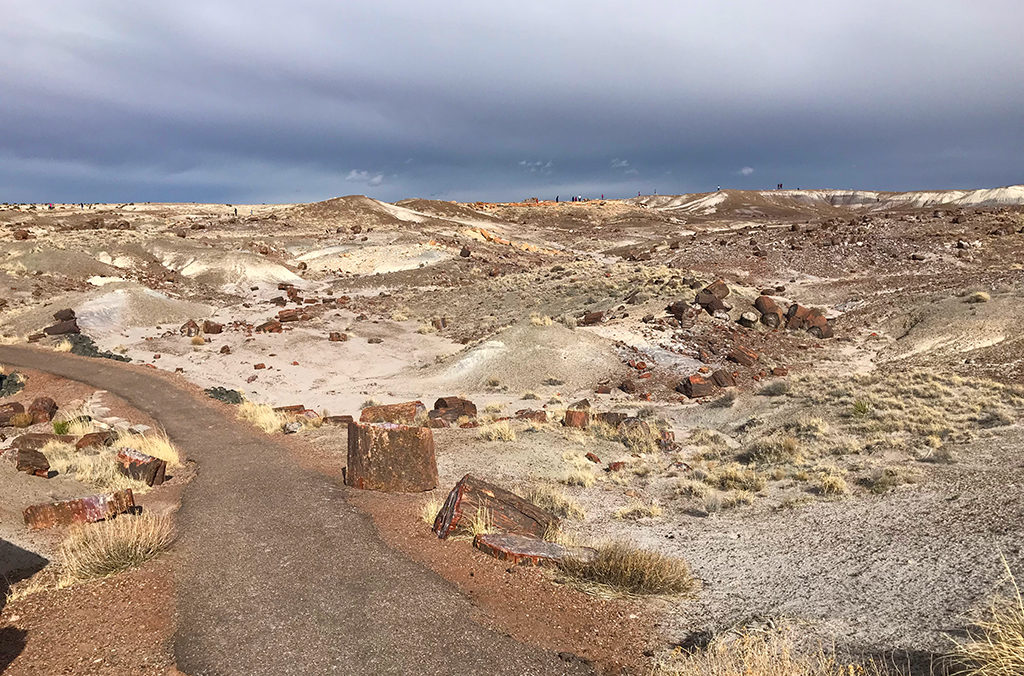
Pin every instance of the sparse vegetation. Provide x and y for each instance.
(98, 469)
(430, 508)
(639, 510)
(579, 477)
(62, 345)
(979, 297)
(499, 431)
(102, 549)
(884, 479)
(776, 388)
(995, 644)
(551, 499)
(156, 444)
(832, 485)
(777, 448)
(60, 427)
(265, 417)
(530, 395)
(623, 568)
(198, 340)
(369, 402)
(540, 320)
(734, 477)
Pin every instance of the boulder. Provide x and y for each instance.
(718, 289)
(695, 386)
(710, 302)
(390, 458)
(212, 328)
(33, 462)
(405, 413)
(9, 410)
(141, 467)
(62, 328)
(506, 511)
(678, 309)
(525, 550)
(591, 318)
(42, 409)
(80, 510)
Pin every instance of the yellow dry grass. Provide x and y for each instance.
(262, 416)
(429, 510)
(621, 568)
(499, 431)
(154, 443)
(551, 499)
(98, 469)
(995, 644)
(101, 549)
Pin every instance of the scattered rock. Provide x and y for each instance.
(742, 356)
(212, 328)
(337, 337)
(723, 378)
(9, 410)
(95, 440)
(81, 510)
(189, 329)
(224, 394)
(578, 419)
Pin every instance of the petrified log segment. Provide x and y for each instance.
(723, 378)
(453, 408)
(532, 414)
(8, 411)
(391, 458)
(33, 462)
(505, 511)
(95, 439)
(403, 414)
(520, 549)
(141, 467)
(35, 441)
(574, 418)
(81, 510)
(695, 387)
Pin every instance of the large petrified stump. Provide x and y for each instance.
(522, 549)
(81, 510)
(391, 458)
(503, 510)
(141, 467)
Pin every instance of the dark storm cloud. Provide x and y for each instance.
(305, 100)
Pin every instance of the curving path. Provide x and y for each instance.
(279, 574)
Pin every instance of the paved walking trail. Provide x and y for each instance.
(279, 574)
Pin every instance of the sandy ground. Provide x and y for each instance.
(432, 307)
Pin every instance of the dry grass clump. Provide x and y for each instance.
(479, 524)
(370, 402)
(640, 439)
(530, 396)
(717, 501)
(263, 416)
(623, 568)
(493, 408)
(734, 477)
(156, 444)
(540, 320)
(639, 510)
(499, 431)
(773, 449)
(63, 345)
(553, 500)
(102, 549)
(884, 479)
(198, 340)
(776, 388)
(98, 469)
(832, 485)
(758, 654)
(979, 297)
(688, 488)
(430, 508)
(995, 644)
(580, 477)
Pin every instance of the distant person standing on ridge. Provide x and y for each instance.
(556, 199)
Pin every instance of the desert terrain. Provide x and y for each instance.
(813, 398)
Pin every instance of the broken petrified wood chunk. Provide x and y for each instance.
(36, 440)
(453, 408)
(8, 411)
(61, 328)
(723, 378)
(695, 387)
(95, 440)
(532, 414)
(520, 549)
(579, 419)
(64, 315)
(612, 418)
(272, 326)
(771, 313)
(502, 509)
(189, 329)
(391, 458)
(718, 288)
(337, 419)
(291, 408)
(742, 356)
(33, 462)
(404, 413)
(42, 409)
(80, 510)
(212, 327)
(289, 315)
(141, 467)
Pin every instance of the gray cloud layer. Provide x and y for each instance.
(257, 101)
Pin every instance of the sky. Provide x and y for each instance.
(236, 102)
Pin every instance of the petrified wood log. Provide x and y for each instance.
(81, 510)
(404, 413)
(504, 510)
(33, 462)
(521, 549)
(141, 467)
(391, 458)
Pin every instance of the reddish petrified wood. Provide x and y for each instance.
(81, 510)
(723, 378)
(391, 458)
(337, 419)
(141, 467)
(9, 410)
(742, 356)
(291, 408)
(212, 327)
(42, 409)
(504, 510)
(404, 413)
(520, 549)
(613, 418)
(580, 419)
(532, 414)
(94, 439)
(453, 408)
(695, 387)
(33, 462)
(36, 440)
(771, 314)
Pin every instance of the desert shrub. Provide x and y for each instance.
(724, 401)
(264, 417)
(861, 408)
(733, 477)
(97, 469)
(688, 488)
(540, 320)
(624, 568)
(493, 408)
(995, 644)
(499, 431)
(551, 499)
(807, 426)
(638, 510)
(530, 395)
(640, 439)
(832, 485)
(63, 345)
(717, 501)
(579, 477)
(773, 449)
(370, 402)
(102, 549)
(776, 388)
(884, 479)
(198, 340)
